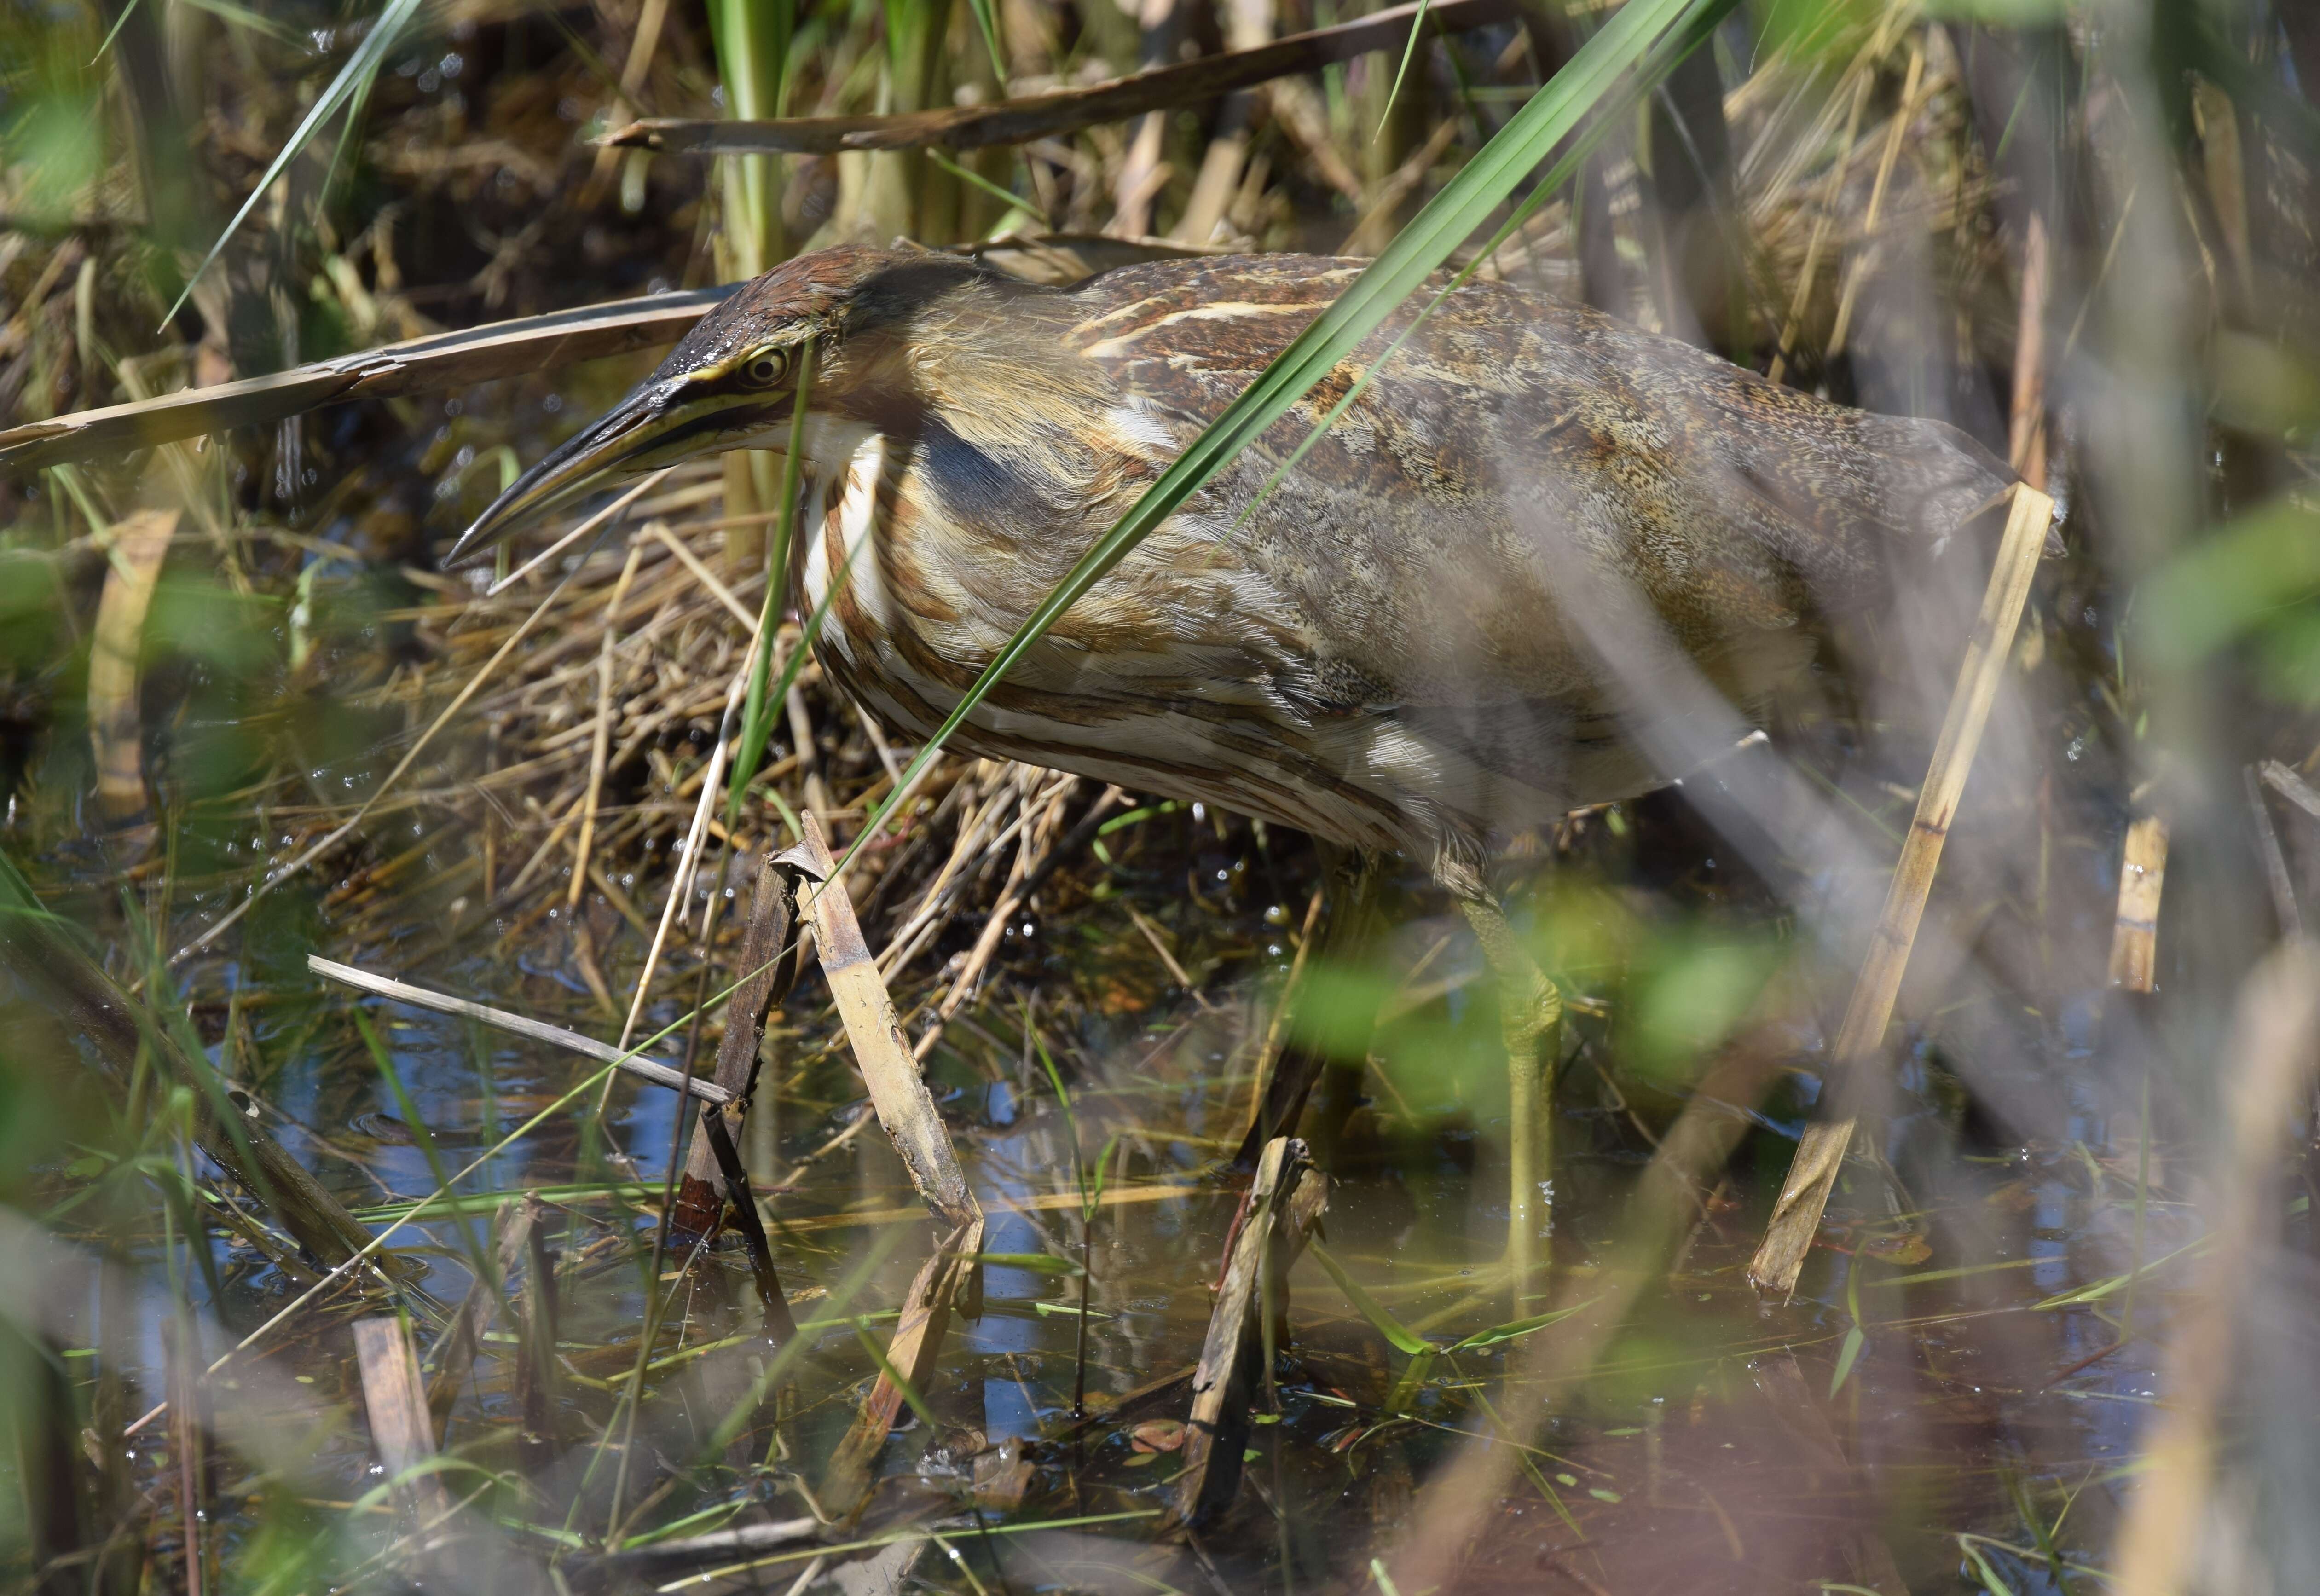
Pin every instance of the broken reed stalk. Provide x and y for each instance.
(905, 1366)
(1065, 111)
(2134, 931)
(1286, 1200)
(1796, 1216)
(555, 1036)
(2026, 433)
(140, 542)
(2291, 786)
(906, 1109)
(535, 1368)
(455, 1352)
(401, 1429)
(780, 1327)
(767, 964)
(2268, 850)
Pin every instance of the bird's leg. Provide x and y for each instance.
(1356, 881)
(1530, 1017)
(1351, 945)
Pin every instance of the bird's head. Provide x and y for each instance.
(868, 320)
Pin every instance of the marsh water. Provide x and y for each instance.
(1931, 1408)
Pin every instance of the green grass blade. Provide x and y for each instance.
(754, 735)
(1593, 76)
(351, 84)
(1408, 50)
(113, 31)
(1400, 1335)
(756, 717)
(986, 18)
(899, 1381)
(974, 180)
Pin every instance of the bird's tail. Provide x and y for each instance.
(1930, 481)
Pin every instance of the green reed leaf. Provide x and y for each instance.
(974, 180)
(1649, 34)
(751, 40)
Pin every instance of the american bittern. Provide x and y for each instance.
(1382, 649)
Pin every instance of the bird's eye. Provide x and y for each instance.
(764, 369)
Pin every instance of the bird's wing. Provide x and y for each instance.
(1481, 540)
(1514, 451)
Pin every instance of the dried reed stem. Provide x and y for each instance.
(681, 878)
(905, 1366)
(1796, 1218)
(600, 743)
(402, 1430)
(1866, 78)
(1286, 1200)
(2134, 932)
(140, 542)
(423, 364)
(1039, 116)
(905, 1107)
(571, 1041)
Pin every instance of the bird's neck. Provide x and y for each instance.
(1005, 387)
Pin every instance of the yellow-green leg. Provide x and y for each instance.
(1530, 1016)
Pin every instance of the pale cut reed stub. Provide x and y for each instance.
(1796, 1218)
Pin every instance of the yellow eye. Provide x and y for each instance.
(766, 367)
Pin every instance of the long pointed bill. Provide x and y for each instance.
(663, 421)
